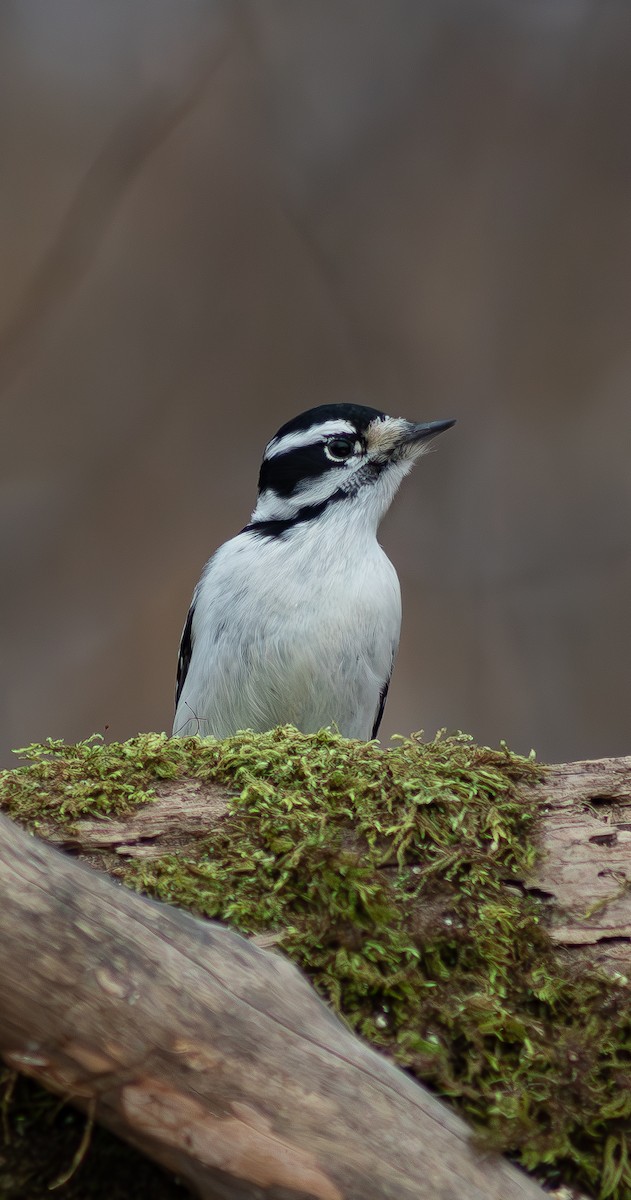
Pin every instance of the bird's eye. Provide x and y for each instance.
(339, 449)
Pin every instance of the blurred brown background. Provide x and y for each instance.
(213, 216)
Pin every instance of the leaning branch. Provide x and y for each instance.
(213, 1057)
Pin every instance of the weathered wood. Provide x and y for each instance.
(212, 1056)
(584, 872)
(185, 810)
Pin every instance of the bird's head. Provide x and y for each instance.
(340, 456)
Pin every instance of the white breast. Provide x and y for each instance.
(300, 629)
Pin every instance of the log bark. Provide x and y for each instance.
(584, 869)
(212, 1056)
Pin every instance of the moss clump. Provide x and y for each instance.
(92, 779)
(386, 875)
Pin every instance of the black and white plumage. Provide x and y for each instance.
(296, 619)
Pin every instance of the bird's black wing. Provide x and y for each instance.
(185, 652)
(382, 704)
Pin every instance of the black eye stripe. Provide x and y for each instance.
(282, 473)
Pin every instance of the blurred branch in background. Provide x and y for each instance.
(88, 219)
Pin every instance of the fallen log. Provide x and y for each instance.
(171, 808)
(213, 1057)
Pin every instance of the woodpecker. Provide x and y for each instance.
(296, 619)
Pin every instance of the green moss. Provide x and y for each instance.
(92, 779)
(386, 874)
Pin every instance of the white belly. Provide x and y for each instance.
(290, 635)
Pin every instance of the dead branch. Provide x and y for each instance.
(211, 1056)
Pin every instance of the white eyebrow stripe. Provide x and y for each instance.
(309, 437)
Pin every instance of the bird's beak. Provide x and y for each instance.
(395, 438)
(413, 439)
(421, 433)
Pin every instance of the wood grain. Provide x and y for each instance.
(584, 872)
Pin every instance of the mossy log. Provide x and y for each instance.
(582, 872)
(456, 905)
(211, 1055)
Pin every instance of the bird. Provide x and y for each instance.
(296, 619)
